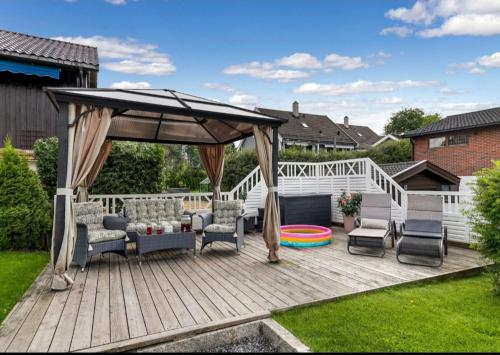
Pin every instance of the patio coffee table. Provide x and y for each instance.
(173, 240)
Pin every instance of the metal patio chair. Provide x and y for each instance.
(373, 226)
(423, 233)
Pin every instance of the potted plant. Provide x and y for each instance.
(349, 205)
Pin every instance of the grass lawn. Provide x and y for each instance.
(452, 315)
(18, 270)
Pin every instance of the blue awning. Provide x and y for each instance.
(28, 69)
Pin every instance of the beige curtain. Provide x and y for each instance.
(212, 158)
(83, 189)
(85, 142)
(271, 227)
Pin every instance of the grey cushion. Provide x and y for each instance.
(422, 225)
(156, 210)
(374, 223)
(221, 228)
(368, 233)
(226, 212)
(105, 235)
(90, 214)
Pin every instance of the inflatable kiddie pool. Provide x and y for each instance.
(305, 236)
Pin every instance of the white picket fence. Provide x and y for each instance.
(356, 175)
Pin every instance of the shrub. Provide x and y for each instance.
(237, 165)
(130, 168)
(24, 206)
(184, 175)
(485, 218)
(45, 152)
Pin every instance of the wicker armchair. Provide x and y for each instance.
(225, 224)
(96, 233)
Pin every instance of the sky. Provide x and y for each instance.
(365, 59)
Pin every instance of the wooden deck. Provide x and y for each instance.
(117, 304)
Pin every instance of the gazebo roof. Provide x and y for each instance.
(167, 116)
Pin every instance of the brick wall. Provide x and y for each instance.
(462, 160)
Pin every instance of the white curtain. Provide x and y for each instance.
(85, 141)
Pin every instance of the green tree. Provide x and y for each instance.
(485, 218)
(24, 205)
(409, 119)
(45, 152)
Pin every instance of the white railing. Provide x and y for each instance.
(356, 175)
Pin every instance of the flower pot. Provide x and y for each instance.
(348, 223)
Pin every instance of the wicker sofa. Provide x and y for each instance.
(141, 213)
(97, 233)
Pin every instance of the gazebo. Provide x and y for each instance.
(90, 119)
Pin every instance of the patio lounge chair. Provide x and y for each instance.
(225, 224)
(96, 233)
(373, 226)
(423, 233)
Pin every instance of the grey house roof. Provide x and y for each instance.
(317, 128)
(48, 51)
(362, 135)
(484, 118)
(395, 168)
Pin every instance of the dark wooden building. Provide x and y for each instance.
(422, 175)
(27, 64)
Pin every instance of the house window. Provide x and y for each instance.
(359, 134)
(304, 125)
(437, 142)
(459, 139)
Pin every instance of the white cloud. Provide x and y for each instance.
(479, 65)
(361, 87)
(243, 100)
(220, 87)
(490, 61)
(388, 100)
(445, 90)
(127, 56)
(469, 24)
(460, 107)
(419, 13)
(336, 61)
(294, 67)
(400, 31)
(453, 17)
(117, 2)
(299, 61)
(131, 85)
(265, 71)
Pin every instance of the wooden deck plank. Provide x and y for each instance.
(135, 320)
(119, 304)
(64, 331)
(183, 316)
(101, 330)
(117, 311)
(82, 334)
(148, 307)
(45, 332)
(164, 309)
(197, 312)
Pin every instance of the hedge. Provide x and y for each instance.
(131, 168)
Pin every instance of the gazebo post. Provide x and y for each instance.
(62, 167)
(275, 160)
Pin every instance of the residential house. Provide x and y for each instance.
(29, 63)
(317, 132)
(461, 144)
(421, 175)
